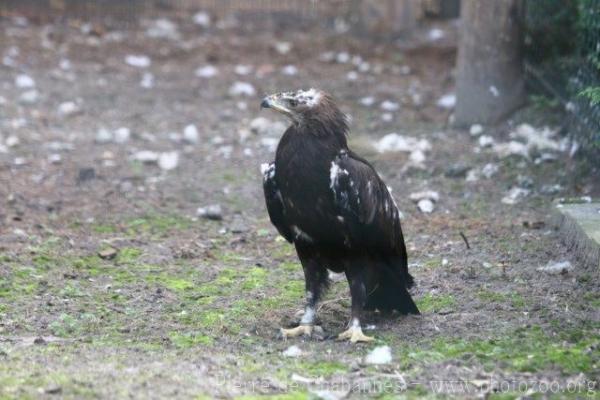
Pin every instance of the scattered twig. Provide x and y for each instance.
(462, 235)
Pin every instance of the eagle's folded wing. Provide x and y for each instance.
(274, 202)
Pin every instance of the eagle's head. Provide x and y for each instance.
(312, 108)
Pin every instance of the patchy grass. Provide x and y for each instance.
(433, 303)
(523, 350)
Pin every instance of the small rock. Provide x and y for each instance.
(108, 253)
(396, 142)
(202, 19)
(163, 28)
(168, 160)
(489, 170)
(342, 57)
(12, 141)
(515, 195)
(121, 135)
(207, 71)
(556, 267)
(388, 105)
(511, 148)
(426, 194)
(289, 70)
(243, 69)
(39, 340)
(103, 136)
(213, 212)
(55, 158)
(367, 101)
(138, 61)
(435, 34)
(447, 101)
(426, 206)
(29, 97)
(146, 156)
(551, 189)
(379, 355)
(486, 141)
(86, 174)
(190, 134)
(283, 47)
(476, 130)
(147, 81)
(352, 76)
(68, 108)
(387, 117)
(457, 170)
(23, 81)
(53, 389)
(242, 89)
(292, 351)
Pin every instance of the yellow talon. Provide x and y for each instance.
(355, 335)
(305, 330)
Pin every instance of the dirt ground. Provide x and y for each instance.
(111, 285)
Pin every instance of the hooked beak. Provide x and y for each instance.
(265, 103)
(274, 102)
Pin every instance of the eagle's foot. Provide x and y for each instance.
(300, 330)
(355, 335)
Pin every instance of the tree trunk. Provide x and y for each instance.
(490, 82)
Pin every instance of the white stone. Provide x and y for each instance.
(396, 142)
(168, 160)
(242, 89)
(146, 156)
(435, 34)
(121, 135)
(486, 141)
(23, 81)
(206, 71)
(425, 194)
(163, 28)
(489, 170)
(476, 130)
(426, 206)
(292, 351)
(68, 108)
(243, 69)
(12, 141)
(388, 105)
(202, 19)
(515, 195)
(352, 76)
(283, 47)
(289, 70)
(190, 134)
(147, 81)
(367, 101)
(447, 101)
(556, 267)
(379, 355)
(55, 158)
(138, 60)
(29, 97)
(103, 136)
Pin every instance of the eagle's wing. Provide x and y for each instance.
(366, 205)
(274, 202)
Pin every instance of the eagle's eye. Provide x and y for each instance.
(293, 102)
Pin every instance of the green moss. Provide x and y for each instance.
(190, 339)
(128, 255)
(157, 224)
(103, 228)
(255, 278)
(435, 303)
(523, 350)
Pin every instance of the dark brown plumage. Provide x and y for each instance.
(333, 206)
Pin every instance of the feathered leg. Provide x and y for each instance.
(358, 292)
(315, 277)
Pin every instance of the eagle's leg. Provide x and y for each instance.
(315, 281)
(358, 292)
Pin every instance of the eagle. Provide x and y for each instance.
(336, 210)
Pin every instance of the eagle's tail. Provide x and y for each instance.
(390, 291)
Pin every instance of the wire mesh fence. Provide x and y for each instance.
(562, 49)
